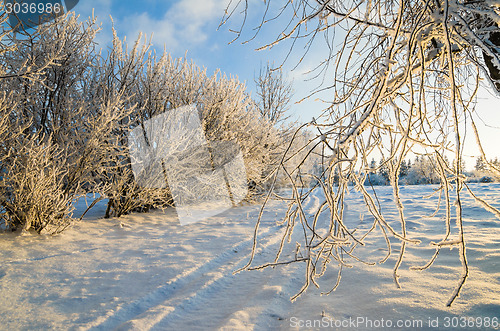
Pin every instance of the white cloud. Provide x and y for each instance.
(162, 30)
(186, 23)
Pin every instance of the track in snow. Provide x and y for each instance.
(199, 296)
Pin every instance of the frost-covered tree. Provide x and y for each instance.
(482, 171)
(402, 77)
(383, 171)
(273, 94)
(423, 171)
(479, 164)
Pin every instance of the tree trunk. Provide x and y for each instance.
(493, 70)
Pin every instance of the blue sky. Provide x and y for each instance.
(191, 26)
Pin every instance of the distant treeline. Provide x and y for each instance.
(424, 170)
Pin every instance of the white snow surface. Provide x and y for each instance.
(147, 272)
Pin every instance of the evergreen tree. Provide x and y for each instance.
(403, 171)
(480, 166)
(384, 171)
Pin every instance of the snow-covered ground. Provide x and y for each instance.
(145, 271)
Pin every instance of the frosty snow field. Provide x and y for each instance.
(355, 95)
(147, 272)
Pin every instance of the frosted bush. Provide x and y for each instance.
(58, 131)
(67, 110)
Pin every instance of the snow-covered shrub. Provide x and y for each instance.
(60, 130)
(375, 179)
(155, 85)
(69, 109)
(486, 179)
(34, 195)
